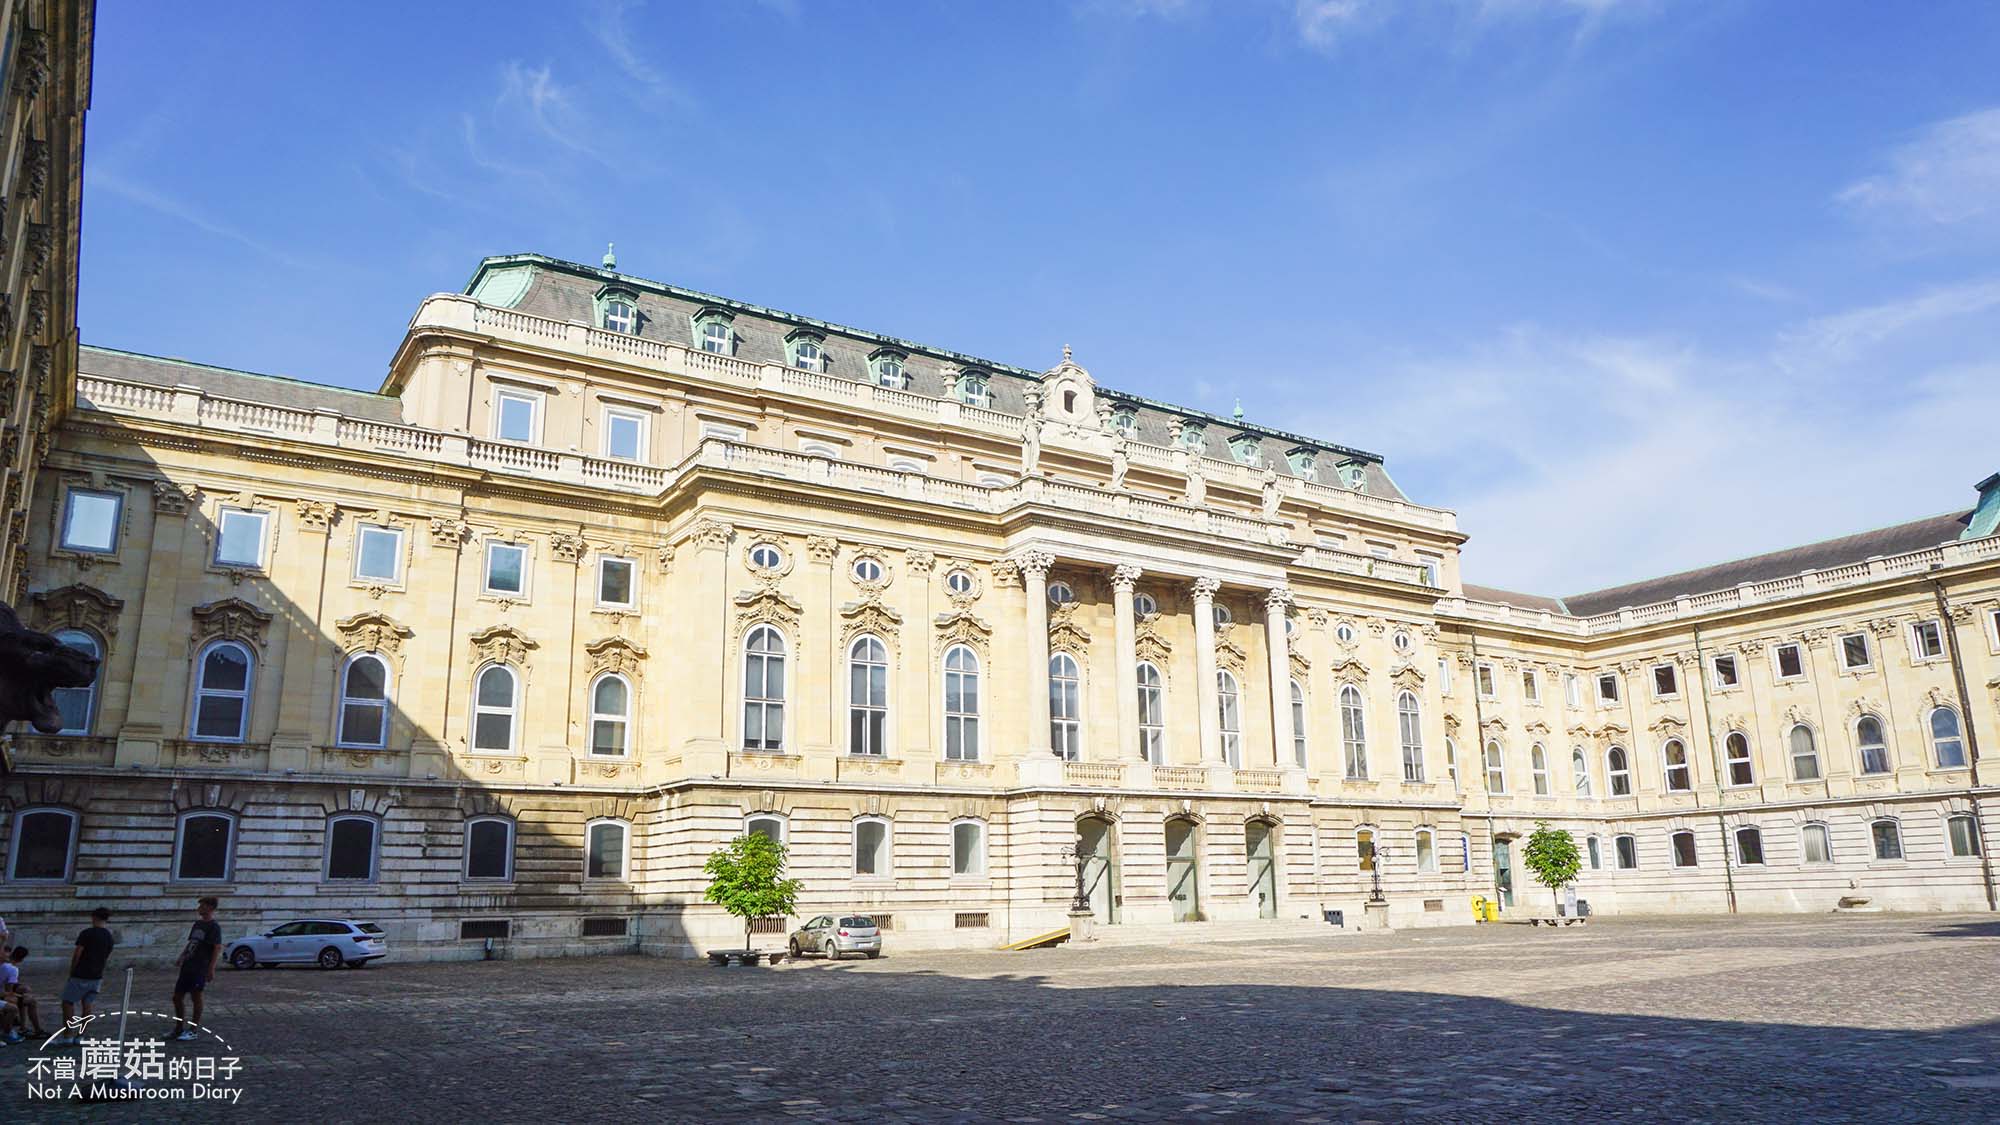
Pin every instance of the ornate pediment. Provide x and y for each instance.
(1450, 722)
(1493, 726)
(1537, 727)
(963, 627)
(1346, 662)
(1301, 667)
(767, 605)
(1668, 724)
(502, 644)
(1230, 655)
(872, 617)
(613, 654)
(1793, 717)
(1613, 729)
(1065, 635)
(371, 631)
(230, 618)
(78, 606)
(1153, 649)
(1407, 676)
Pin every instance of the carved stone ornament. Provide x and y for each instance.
(920, 562)
(78, 606)
(41, 240)
(38, 312)
(449, 532)
(1035, 563)
(1407, 676)
(502, 644)
(1125, 578)
(31, 62)
(1301, 667)
(870, 616)
(766, 606)
(963, 627)
(371, 631)
(231, 619)
(1152, 648)
(871, 587)
(1065, 634)
(1230, 655)
(665, 557)
(314, 515)
(1668, 724)
(1346, 662)
(821, 548)
(1006, 575)
(613, 654)
(1204, 590)
(1316, 617)
(1885, 626)
(35, 169)
(565, 547)
(708, 534)
(170, 499)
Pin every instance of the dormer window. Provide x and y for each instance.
(1301, 461)
(1353, 474)
(712, 332)
(1246, 449)
(1194, 437)
(887, 367)
(972, 389)
(618, 311)
(806, 351)
(1124, 421)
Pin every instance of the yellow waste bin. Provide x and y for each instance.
(1492, 910)
(1479, 908)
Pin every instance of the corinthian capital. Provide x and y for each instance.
(1278, 599)
(1035, 564)
(1204, 590)
(1125, 577)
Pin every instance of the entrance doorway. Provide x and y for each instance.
(1183, 875)
(1259, 849)
(1098, 846)
(1503, 871)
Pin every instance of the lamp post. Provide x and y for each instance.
(1375, 870)
(1078, 859)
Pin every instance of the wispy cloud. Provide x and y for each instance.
(548, 107)
(1843, 336)
(180, 210)
(1948, 174)
(616, 36)
(1325, 24)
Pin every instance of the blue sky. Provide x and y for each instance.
(1633, 286)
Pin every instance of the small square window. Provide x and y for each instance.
(624, 435)
(516, 413)
(90, 521)
(378, 552)
(1854, 651)
(614, 582)
(1607, 688)
(1725, 672)
(1666, 681)
(506, 568)
(1791, 662)
(1926, 640)
(239, 541)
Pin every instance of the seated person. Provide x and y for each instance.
(15, 994)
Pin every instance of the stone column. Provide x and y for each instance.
(1126, 634)
(159, 679)
(1204, 663)
(309, 665)
(1035, 580)
(1276, 604)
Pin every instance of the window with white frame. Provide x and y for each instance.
(1538, 769)
(1926, 641)
(506, 569)
(1444, 675)
(222, 693)
(1871, 744)
(624, 434)
(959, 581)
(768, 825)
(968, 848)
(1607, 688)
(78, 705)
(1220, 613)
(494, 706)
(1353, 732)
(1887, 836)
(43, 848)
(1465, 852)
(1815, 843)
(1483, 676)
(364, 702)
(868, 697)
(610, 716)
(1736, 758)
(1531, 686)
(1962, 835)
(1402, 642)
(724, 431)
(1152, 714)
(871, 847)
(867, 569)
(378, 553)
(517, 416)
(202, 849)
(1344, 633)
(606, 848)
(1790, 661)
(1749, 847)
(824, 449)
(1947, 741)
(1496, 769)
(972, 390)
(621, 315)
(1854, 655)
(807, 353)
(1451, 761)
(239, 537)
(1666, 681)
(1298, 725)
(766, 556)
(1410, 732)
(614, 581)
(1678, 771)
(1579, 769)
(906, 465)
(1627, 849)
(714, 335)
(1725, 671)
(887, 368)
(1682, 843)
(1618, 771)
(961, 704)
(1573, 690)
(1594, 849)
(1065, 707)
(764, 689)
(91, 520)
(1993, 627)
(351, 848)
(1805, 753)
(1427, 860)
(1229, 717)
(489, 848)
(1364, 850)
(1060, 593)
(1145, 605)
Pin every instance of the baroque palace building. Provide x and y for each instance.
(610, 571)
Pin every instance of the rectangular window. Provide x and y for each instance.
(1926, 640)
(1666, 681)
(1683, 849)
(1749, 847)
(479, 929)
(625, 435)
(1485, 674)
(614, 581)
(724, 431)
(1628, 853)
(1444, 676)
(1573, 690)
(350, 849)
(506, 568)
(1531, 686)
(378, 552)
(1817, 843)
(1430, 569)
(1725, 672)
(1596, 854)
(239, 540)
(1888, 837)
(515, 414)
(1607, 688)
(1791, 662)
(1993, 620)
(1854, 652)
(1964, 836)
(90, 521)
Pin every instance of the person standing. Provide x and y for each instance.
(86, 971)
(197, 968)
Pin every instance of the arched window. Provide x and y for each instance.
(1410, 728)
(1427, 860)
(1618, 770)
(771, 826)
(1579, 768)
(1805, 754)
(971, 389)
(1298, 724)
(489, 848)
(1736, 755)
(610, 715)
(78, 705)
(1496, 769)
(871, 847)
(1962, 835)
(715, 336)
(1816, 843)
(1451, 761)
(807, 354)
(1946, 740)
(350, 848)
(968, 848)
(606, 849)
(1152, 715)
(493, 709)
(1229, 717)
(1353, 732)
(44, 845)
(1674, 756)
(867, 697)
(201, 845)
(222, 693)
(1364, 849)
(1626, 849)
(620, 315)
(1065, 707)
(1538, 769)
(1868, 740)
(1683, 849)
(764, 689)
(961, 704)
(889, 371)
(1887, 835)
(1749, 847)
(364, 701)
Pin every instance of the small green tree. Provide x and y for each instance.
(1552, 857)
(746, 878)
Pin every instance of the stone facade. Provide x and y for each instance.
(625, 598)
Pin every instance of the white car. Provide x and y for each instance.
(326, 942)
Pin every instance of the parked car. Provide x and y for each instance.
(326, 942)
(837, 935)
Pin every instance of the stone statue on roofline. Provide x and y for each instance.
(32, 666)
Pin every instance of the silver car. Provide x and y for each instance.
(326, 942)
(838, 935)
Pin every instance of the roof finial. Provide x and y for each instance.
(1065, 353)
(1238, 415)
(610, 258)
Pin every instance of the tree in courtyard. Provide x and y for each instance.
(746, 878)
(1552, 857)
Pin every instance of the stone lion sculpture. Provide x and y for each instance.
(32, 666)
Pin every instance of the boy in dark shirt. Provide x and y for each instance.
(197, 968)
(86, 970)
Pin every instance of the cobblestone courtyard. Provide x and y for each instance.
(1786, 1018)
